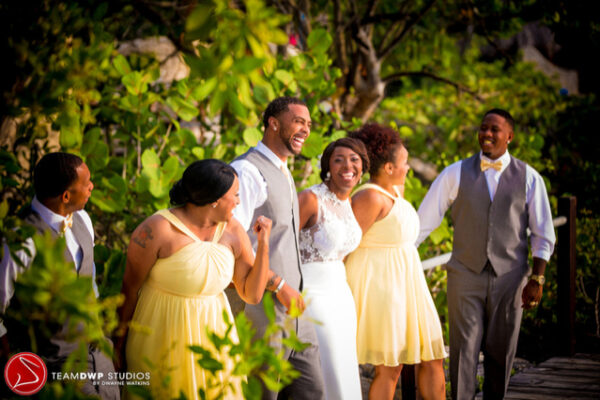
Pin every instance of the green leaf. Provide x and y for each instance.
(252, 388)
(284, 77)
(217, 102)
(269, 306)
(94, 150)
(201, 91)
(68, 120)
(248, 64)
(405, 131)
(252, 136)
(313, 146)
(338, 134)
(185, 109)
(200, 22)
(236, 105)
(263, 93)
(198, 152)
(219, 151)
(3, 209)
(170, 169)
(121, 65)
(157, 188)
(440, 233)
(110, 195)
(319, 40)
(187, 138)
(150, 159)
(135, 83)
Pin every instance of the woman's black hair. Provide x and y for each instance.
(203, 182)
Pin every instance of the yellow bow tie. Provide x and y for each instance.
(497, 165)
(66, 223)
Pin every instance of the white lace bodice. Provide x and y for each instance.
(336, 232)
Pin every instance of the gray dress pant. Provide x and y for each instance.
(484, 314)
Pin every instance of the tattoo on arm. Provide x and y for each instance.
(144, 236)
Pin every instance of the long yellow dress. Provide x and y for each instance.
(182, 297)
(397, 319)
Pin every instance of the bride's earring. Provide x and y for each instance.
(327, 176)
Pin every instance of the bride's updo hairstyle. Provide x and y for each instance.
(353, 144)
(381, 142)
(203, 182)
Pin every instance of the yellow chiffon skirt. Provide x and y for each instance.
(397, 319)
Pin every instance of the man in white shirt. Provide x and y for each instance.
(494, 199)
(62, 186)
(267, 188)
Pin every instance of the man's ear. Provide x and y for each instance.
(274, 123)
(65, 197)
(510, 136)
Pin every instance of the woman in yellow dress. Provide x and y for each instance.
(179, 261)
(397, 320)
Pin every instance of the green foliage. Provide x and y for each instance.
(534, 342)
(254, 358)
(587, 279)
(49, 295)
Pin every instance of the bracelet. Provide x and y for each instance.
(538, 278)
(278, 288)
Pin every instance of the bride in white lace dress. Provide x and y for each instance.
(328, 233)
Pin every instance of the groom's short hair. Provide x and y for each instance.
(55, 173)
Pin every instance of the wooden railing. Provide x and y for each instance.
(565, 249)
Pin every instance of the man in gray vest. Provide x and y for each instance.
(62, 188)
(267, 188)
(494, 198)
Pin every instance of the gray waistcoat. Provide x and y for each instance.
(58, 349)
(284, 256)
(486, 230)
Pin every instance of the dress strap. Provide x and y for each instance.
(378, 188)
(219, 232)
(172, 218)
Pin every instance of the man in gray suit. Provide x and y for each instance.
(267, 188)
(62, 188)
(494, 198)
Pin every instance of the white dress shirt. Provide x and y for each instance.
(9, 269)
(253, 187)
(444, 189)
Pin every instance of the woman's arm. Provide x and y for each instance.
(309, 208)
(251, 272)
(142, 253)
(367, 207)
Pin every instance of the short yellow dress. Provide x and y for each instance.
(396, 316)
(182, 297)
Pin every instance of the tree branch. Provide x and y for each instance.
(370, 8)
(340, 37)
(386, 51)
(458, 86)
(377, 18)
